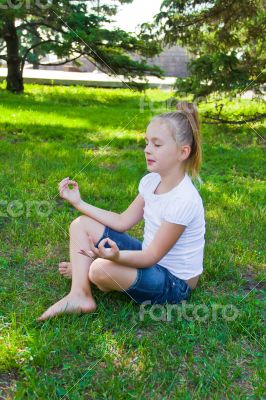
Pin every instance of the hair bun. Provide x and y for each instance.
(191, 112)
(186, 107)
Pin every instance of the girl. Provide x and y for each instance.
(166, 266)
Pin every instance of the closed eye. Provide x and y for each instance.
(156, 145)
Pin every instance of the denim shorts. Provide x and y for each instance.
(155, 284)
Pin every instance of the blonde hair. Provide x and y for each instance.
(184, 125)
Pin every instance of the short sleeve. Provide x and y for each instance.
(145, 183)
(180, 212)
(141, 186)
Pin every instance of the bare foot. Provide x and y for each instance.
(72, 303)
(65, 269)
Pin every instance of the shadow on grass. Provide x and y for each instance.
(77, 114)
(119, 134)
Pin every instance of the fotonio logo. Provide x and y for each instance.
(18, 208)
(25, 4)
(156, 106)
(189, 312)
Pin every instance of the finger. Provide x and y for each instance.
(102, 243)
(63, 187)
(102, 249)
(93, 248)
(63, 184)
(74, 183)
(89, 254)
(66, 183)
(96, 253)
(83, 253)
(91, 243)
(86, 255)
(63, 180)
(112, 244)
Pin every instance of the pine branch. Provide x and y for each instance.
(233, 122)
(30, 49)
(37, 24)
(56, 64)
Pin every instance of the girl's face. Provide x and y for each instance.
(162, 152)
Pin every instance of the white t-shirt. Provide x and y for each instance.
(181, 205)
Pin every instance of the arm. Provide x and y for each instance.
(119, 222)
(109, 218)
(133, 214)
(164, 239)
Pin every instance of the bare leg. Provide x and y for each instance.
(65, 269)
(108, 275)
(80, 298)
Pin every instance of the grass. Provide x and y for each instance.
(52, 132)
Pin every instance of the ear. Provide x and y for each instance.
(185, 152)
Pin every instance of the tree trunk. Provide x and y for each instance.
(14, 75)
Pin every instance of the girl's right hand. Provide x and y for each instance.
(71, 195)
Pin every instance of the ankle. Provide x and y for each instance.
(80, 292)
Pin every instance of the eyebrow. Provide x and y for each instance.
(153, 138)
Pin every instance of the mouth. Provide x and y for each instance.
(150, 161)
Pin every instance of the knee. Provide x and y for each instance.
(97, 273)
(77, 223)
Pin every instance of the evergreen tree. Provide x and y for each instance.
(30, 29)
(226, 40)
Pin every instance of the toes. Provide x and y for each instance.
(63, 264)
(44, 316)
(62, 270)
(51, 312)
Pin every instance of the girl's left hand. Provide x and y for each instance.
(103, 252)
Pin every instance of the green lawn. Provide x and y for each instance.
(97, 137)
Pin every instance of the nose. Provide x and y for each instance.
(146, 149)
